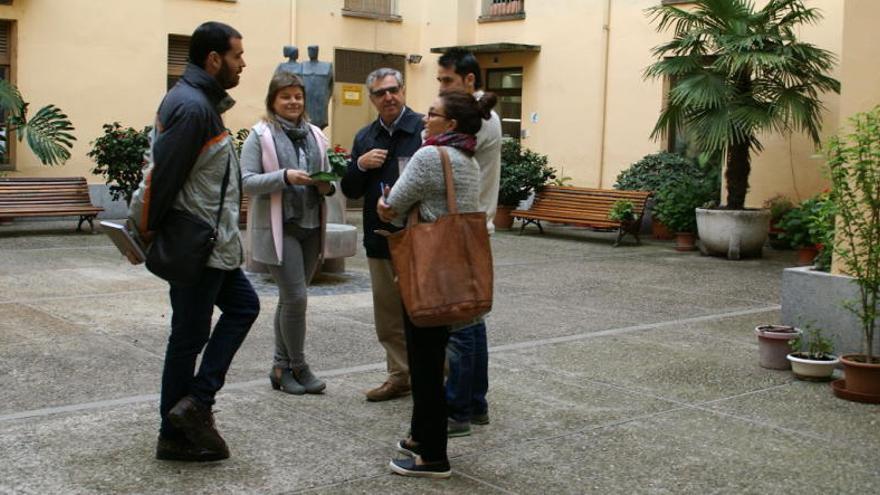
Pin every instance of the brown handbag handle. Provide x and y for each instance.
(450, 186)
(451, 205)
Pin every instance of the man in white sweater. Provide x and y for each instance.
(467, 351)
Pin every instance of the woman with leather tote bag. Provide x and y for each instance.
(422, 194)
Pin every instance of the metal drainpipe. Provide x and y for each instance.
(606, 28)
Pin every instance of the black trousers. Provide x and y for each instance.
(426, 353)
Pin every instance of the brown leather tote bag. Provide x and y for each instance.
(444, 269)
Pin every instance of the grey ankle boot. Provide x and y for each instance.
(287, 383)
(307, 379)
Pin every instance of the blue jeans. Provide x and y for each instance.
(192, 308)
(468, 380)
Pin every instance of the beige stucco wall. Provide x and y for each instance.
(119, 74)
(106, 61)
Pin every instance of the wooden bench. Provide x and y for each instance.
(243, 210)
(584, 207)
(47, 197)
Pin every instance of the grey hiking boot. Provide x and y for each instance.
(457, 428)
(307, 379)
(480, 419)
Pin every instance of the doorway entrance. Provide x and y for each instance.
(507, 86)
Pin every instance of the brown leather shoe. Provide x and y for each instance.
(387, 391)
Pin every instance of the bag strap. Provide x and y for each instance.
(413, 218)
(450, 185)
(222, 194)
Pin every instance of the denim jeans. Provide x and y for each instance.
(192, 308)
(468, 380)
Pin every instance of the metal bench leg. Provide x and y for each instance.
(620, 235)
(86, 218)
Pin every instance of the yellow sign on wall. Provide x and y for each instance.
(352, 94)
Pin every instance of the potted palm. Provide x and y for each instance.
(522, 172)
(854, 163)
(811, 356)
(47, 131)
(738, 72)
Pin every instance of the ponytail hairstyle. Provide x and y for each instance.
(464, 108)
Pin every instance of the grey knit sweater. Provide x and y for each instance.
(422, 182)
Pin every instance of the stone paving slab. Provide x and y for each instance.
(612, 370)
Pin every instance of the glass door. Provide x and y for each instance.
(507, 86)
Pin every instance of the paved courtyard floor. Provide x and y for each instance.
(612, 370)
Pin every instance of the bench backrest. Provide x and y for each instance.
(22, 192)
(584, 200)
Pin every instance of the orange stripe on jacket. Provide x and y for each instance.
(214, 140)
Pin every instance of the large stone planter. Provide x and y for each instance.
(815, 298)
(733, 233)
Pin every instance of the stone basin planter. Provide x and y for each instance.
(734, 234)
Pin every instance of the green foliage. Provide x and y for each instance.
(812, 345)
(239, 138)
(739, 71)
(47, 132)
(854, 164)
(677, 201)
(811, 224)
(339, 158)
(622, 211)
(653, 171)
(119, 155)
(522, 171)
(778, 205)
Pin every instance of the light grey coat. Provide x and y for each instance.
(260, 184)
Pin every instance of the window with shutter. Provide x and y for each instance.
(178, 52)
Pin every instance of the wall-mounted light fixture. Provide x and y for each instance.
(414, 58)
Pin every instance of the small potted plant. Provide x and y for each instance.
(778, 205)
(811, 357)
(774, 345)
(522, 172)
(622, 211)
(809, 227)
(854, 163)
(119, 157)
(676, 206)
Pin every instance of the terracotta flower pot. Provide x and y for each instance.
(685, 241)
(773, 348)
(806, 255)
(861, 381)
(659, 230)
(503, 220)
(812, 369)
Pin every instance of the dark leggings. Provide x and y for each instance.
(426, 353)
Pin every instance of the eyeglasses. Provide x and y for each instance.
(379, 93)
(432, 113)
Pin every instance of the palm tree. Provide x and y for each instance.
(48, 131)
(739, 71)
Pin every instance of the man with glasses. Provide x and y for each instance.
(375, 155)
